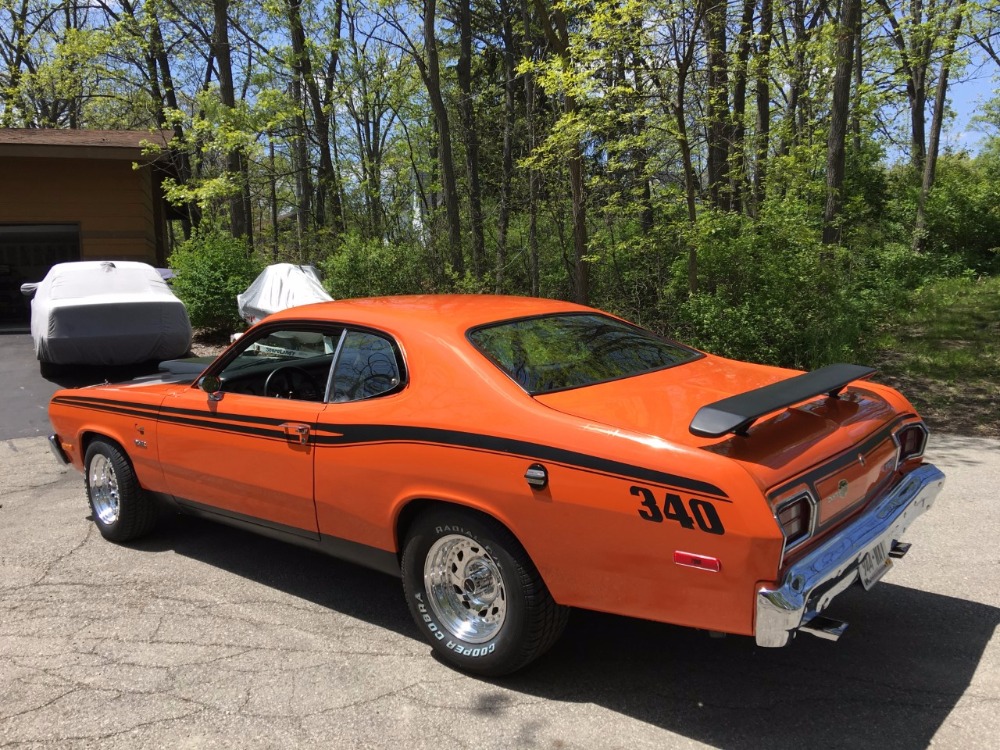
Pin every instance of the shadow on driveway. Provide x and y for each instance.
(907, 659)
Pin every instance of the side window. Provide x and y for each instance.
(285, 363)
(367, 367)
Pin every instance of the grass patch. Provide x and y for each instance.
(944, 354)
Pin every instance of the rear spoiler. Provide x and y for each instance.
(736, 413)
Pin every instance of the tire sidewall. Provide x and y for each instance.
(110, 530)
(503, 652)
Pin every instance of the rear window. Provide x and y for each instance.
(556, 352)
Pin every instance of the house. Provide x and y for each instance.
(76, 195)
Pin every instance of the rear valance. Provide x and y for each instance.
(736, 413)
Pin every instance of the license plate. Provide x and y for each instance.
(874, 565)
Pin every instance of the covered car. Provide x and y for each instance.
(511, 459)
(278, 287)
(107, 313)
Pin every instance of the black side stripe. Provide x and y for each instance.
(357, 434)
(344, 435)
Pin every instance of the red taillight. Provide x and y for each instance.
(795, 518)
(911, 440)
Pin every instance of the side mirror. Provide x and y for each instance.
(28, 290)
(212, 385)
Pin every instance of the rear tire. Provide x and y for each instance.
(475, 594)
(122, 510)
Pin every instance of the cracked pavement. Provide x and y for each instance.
(203, 636)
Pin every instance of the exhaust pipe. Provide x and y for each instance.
(899, 549)
(824, 627)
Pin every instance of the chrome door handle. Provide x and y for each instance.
(298, 431)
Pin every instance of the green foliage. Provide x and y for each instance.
(212, 268)
(963, 210)
(369, 268)
(771, 292)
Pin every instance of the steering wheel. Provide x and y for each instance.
(291, 381)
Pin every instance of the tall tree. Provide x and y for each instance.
(555, 25)
(717, 113)
(467, 116)
(937, 119)
(847, 34)
(239, 203)
(763, 97)
(318, 85)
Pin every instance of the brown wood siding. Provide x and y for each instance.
(110, 201)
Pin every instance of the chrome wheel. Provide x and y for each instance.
(104, 493)
(465, 589)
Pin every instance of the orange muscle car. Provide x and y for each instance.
(513, 458)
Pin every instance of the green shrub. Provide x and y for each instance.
(369, 268)
(771, 292)
(212, 268)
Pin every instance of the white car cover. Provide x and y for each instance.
(107, 313)
(279, 287)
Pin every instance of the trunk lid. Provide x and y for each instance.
(827, 441)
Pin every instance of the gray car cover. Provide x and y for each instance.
(279, 287)
(107, 313)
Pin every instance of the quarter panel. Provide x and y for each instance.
(584, 530)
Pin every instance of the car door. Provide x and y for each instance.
(244, 449)
(356, 468)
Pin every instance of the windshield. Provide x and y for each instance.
(557, 352)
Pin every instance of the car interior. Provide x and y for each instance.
(307, 365)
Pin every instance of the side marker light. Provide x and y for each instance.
(702, 562)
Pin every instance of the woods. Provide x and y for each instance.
(766, 179)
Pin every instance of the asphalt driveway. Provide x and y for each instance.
(24, 393)
(202, 636)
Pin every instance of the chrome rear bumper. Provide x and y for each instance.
(811, 583)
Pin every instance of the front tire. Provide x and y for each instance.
(122, 510)
(475, 594)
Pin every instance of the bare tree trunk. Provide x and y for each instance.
(273, 180)
(529, 119)
(507, 167)
(302, 167)
(556, 28)
(164, 97)
(859, 79)
(839, 118)
(741, 74)
(327, 178)
(940, 95)
(432, 79)
(763, 102)
(717, 107)
(239, 203)
(690, 178)
(915, 61)
(467, 115)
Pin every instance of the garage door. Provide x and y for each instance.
(27, 252)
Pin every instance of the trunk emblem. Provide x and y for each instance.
(842, 488)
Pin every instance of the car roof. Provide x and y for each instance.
(427, 312)
(101, 278)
